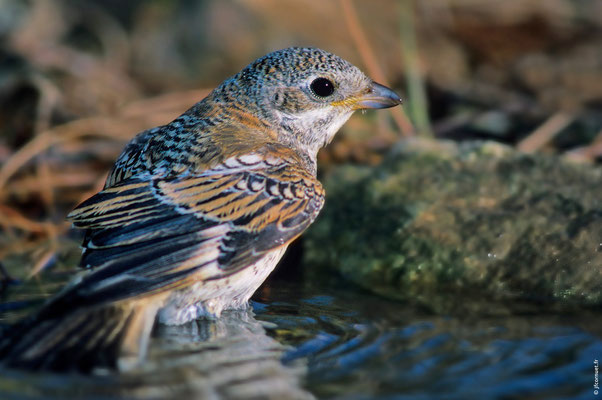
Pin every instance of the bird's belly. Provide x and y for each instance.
(210, 298)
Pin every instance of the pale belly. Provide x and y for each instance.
(210, 298)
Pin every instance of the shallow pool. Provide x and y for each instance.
(334, 341)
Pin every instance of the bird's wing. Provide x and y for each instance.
(145, 236)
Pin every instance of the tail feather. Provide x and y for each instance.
(111, 336)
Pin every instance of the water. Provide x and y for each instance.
(358, 346)
(333, 341)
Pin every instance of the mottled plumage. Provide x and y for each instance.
(196, 213)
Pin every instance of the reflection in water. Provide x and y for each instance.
(230, 358)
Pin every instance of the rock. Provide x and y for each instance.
(439, 223)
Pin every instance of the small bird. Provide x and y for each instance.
(195, 214)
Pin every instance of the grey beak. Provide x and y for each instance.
(379, 97)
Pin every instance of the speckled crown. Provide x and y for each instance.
(299, 60)
(288, 67)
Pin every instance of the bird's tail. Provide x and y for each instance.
(109, 336)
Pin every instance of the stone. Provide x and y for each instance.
(438, 223)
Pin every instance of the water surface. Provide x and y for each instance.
(333, 341)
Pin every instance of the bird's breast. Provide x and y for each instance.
(211, 297)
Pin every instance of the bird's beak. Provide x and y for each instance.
(379, 96)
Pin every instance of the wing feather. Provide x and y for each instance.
(145, 236)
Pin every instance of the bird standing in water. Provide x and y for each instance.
(195, 214)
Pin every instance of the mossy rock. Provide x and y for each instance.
(476, 218)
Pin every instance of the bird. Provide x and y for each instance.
(195, 214)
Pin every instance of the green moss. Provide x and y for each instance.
(477, 217)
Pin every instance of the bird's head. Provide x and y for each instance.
(306, 94)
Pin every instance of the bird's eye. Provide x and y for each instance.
(322, 87)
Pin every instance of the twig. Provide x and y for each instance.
(416, 88)
(545, 132)
(22, 246)
(369, 60)
(44, 260)
(11, 218)
(30, 184)
(44, 178)
(589, 152)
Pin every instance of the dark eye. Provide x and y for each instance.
(322, 87)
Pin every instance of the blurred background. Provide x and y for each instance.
(80, 79)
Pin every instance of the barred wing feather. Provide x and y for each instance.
(166, 233)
